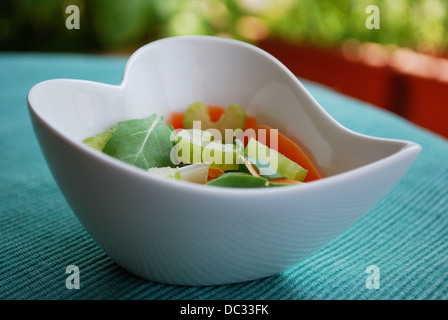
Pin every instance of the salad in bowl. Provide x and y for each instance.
(210, 163)
(209, 145)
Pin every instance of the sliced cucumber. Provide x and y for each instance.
(220, 156)
(190, 145)
(278, 162)
(196, 146)
(233, 118)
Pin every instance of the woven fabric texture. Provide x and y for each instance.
(405, 235)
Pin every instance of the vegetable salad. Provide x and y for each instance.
(209, 145)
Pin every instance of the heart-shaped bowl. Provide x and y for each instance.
(183, 233)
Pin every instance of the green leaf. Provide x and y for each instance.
(145, 143)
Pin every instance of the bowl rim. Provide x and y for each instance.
(409, 148)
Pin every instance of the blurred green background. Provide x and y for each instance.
(402, 66)
(123, 26)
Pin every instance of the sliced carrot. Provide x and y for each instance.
(247, 135)
(214, 173)
(251, 122)
(176, 119)
(215, 112)
(249, 131)
(291, 150)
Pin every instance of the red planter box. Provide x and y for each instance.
(420, 100)
(427, 103)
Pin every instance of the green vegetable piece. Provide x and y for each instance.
(221, 156)
(239, 180)
(233, 118)
(98, 141)
(196, 146)
(190, 145)
(145, 143)
(277, 162)
(167, 172)
(264, 168)
(244, 180)
(276, 184)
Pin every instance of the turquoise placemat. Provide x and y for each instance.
(404, 237)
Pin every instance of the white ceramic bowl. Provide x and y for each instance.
(188, 234)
